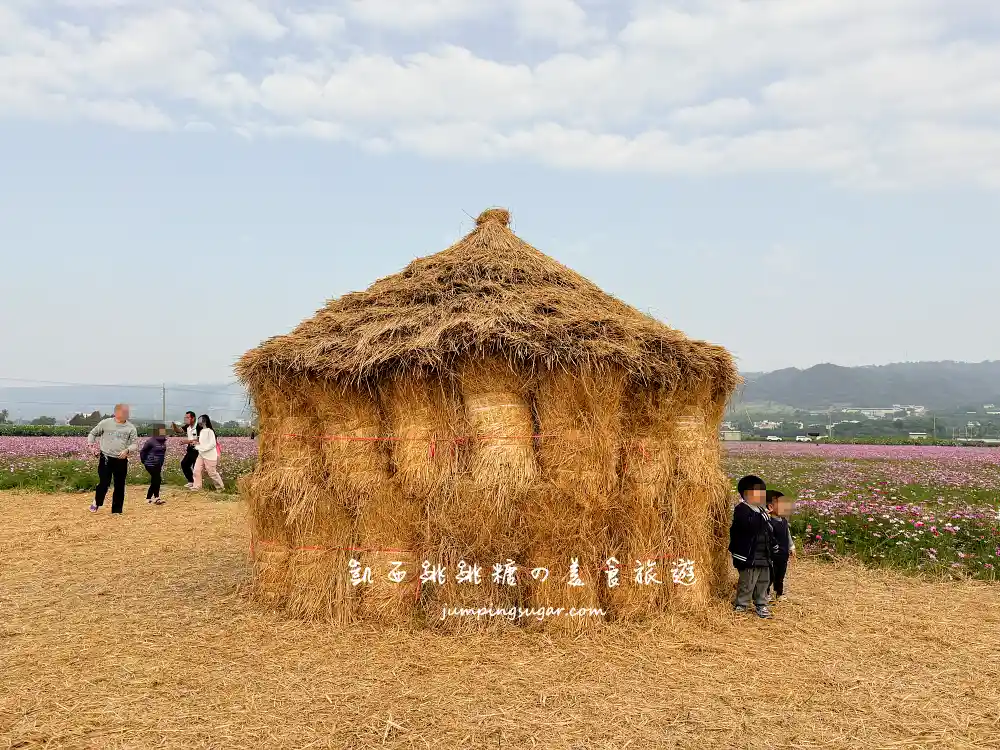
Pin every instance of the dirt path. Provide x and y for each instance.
(129, 633)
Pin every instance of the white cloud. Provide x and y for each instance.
(415, 15)
(561, 21)
(721, 114)
(864, 92)
(317, 26)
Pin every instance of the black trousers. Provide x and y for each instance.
(111, 470)
(187, 463)
(155, 478)
(779, 566)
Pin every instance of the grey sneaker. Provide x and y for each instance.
(739, 609)
(763, 613)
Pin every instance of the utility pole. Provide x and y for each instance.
(163, 391)
(935, 427)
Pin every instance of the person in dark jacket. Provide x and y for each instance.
(779, 508)
(152, 454)
(751, 544)
(190, 433)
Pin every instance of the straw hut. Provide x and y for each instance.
(487, 430)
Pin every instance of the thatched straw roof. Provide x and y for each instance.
(490, 293)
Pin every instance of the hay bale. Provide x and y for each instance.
(268, 551)
(283, 496)
(424, 419)
(389, 535)
(485, 598)
(564, 530)
(483, 513)
(421, 414)
(719, 500)
(352, 465)
(462, 527)
(698, 488)
(363, 509)
(579, 416)
(497, 405)
(636, 518)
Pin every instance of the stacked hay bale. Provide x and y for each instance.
(579, 416)
(479, 520)
(489, 410)
(642, 512)
(421, 422)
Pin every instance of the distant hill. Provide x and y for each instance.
(936, 385)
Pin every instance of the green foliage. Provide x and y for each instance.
(43, 421)
(75, 475)
(86, 420)
(934, 541)
(3, 416)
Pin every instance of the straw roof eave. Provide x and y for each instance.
(702, 366)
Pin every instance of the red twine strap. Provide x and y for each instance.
(455, 440)
(317, 548)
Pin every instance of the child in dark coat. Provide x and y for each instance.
(152, 454)
(779, 508)
(751, 544)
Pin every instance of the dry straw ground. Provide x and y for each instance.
(131, 632)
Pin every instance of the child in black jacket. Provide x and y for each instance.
(778, 508)
(751, 544)
(152, 454)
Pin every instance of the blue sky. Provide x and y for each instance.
(181, 180)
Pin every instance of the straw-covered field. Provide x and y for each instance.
(132, 632)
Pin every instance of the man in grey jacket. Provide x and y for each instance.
(114, 439)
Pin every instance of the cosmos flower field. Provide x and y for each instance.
(930, 509)
(64, 464)
(923, 508)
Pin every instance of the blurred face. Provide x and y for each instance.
(785, 507)
(189, 419)
(122, 413)
(756, 497)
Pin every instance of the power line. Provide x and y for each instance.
(126, 385)
(80, 404)
(78, 385)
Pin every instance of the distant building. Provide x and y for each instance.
(731, 435)
(766, 425)
(918, 436)
(876, 413)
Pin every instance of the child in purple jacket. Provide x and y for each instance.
(152, 454)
